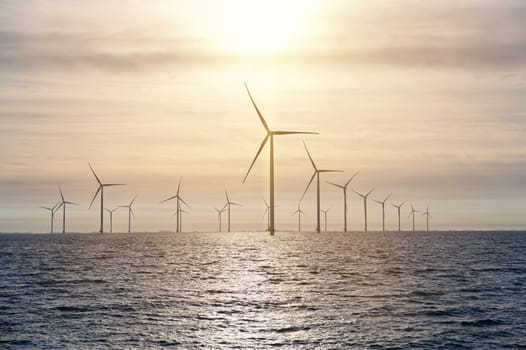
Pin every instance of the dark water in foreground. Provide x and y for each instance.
(249, 290)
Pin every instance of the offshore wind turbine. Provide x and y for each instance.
(382, 203)
(111, 217)
(63, 204)
(179, 200)
(227, 205)
(398, 208)
(270, 135)
(219, 214)
(299, 212)
(364, 196)
(181, 211)
(325, 214)
(101, 190)
(427, 214)
(413, 211)
(344, 188)
(52, 211)
(316, 175)
(130, 212)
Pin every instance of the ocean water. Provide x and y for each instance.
(440, 290)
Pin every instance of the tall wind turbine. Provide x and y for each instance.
(227, 205)
(270, 135)
(300, 213)
(427, 214)
(179, 200)
(219, 214)
(63, 204)
(101, 190)
(325, 219)
(344, 188)
(398, 208)
(413, 211)
(316, 175)
(52, 211)
(364, 196)
(130, 212)
(181, 211)
(382, 203)
(111, 217)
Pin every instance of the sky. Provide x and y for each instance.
(424, 98)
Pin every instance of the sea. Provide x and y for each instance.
(250, 290)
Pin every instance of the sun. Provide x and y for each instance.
(256, 27)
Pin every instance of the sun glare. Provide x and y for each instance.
(256, 27)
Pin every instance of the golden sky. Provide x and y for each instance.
(424, 98)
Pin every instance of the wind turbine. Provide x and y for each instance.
(111, 217)
(181, 211)
(364, 196)
(52, 210)
(130, 212)
(227, 205)
(101, 190)
(316, 175)
(270, 135)
(413, 211)
(427, 214)
(179, 200)
(344, 188)
(219, 213)
(63, 204)
(325, 214)
(398, 208)
(299, 212)
(382, 203)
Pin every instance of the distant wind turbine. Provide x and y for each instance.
(101, 190)
(344, 188)
(63, 204)
(413, 211)
(382, 203)
(364, 196)
(181, 211)
(428, 215)
(130, 212)
(270, 134)
(111, 217)
(219, 214)
(227, 205)
(316, 175)
(179, 200)
(300, 213)
(52, 210)
(325, 214)
(398, 209)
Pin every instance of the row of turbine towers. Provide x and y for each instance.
(270, 208)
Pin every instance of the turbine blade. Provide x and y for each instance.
(61, 204)
(227, 199)
(232, 203)
(179, 185)
(402, 203)
(389, 196)
(113, 185)
(257, 109)
(374, 200)
(368, 193)
(265, 212)
(182, 200)
(174, 214)
(168, 199)
(332, 183)
(312, 162)
(358, 193)
(93, 171)
(308, 185)
(45, 208)
(256, 157)
(352, 177)
(133, 214)
(95, 196)
(61, 195)
(109, 211)
(71, 203)
(330, 171)
(133, 200)
(295, 133)
(266, 204)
